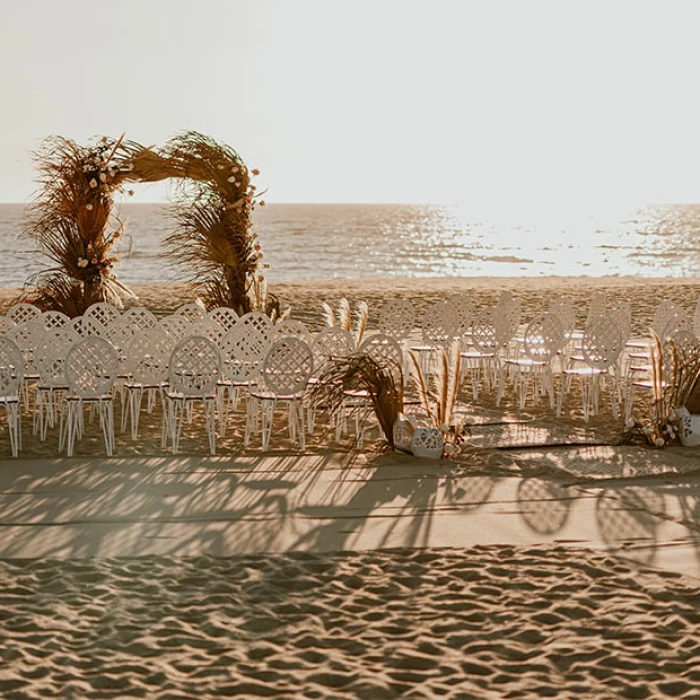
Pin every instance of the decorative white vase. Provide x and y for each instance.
(427, 442)
(690, 427)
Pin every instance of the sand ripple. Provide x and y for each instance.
(487, 622)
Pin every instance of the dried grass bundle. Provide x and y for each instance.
(439, 404)
(382, 382)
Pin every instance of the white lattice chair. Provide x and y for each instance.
(482, 362)
(287, 367)
(242, 354)
(439, 327)
(91, 366)
(51, 352)
(27, 334)
(194, 368)
(387, 352)
(146, 367)
(11, 371)
(329, 344)
(544, 337)
(601, 346)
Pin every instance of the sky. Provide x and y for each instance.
(515, 103)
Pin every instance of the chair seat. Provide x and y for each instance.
(584, 371)
(476, 355)
(271, 396)
(73, 398)
(179, 396)
(525, 362)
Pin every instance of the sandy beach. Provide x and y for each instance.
(346, 574)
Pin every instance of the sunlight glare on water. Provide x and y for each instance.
(344, 241)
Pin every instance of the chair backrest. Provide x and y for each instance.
(192, 311)
(11, 367)
(330, 343)
(383, 349)
(176, 327)
(440, 324)
(687, 344)
(91, 367)
(596, 306)
(663, 311)
(544, 337)
(512, 311)
(194, 366)
(86, 326)
(397, 318)
(22, 312)
(51, 352)
(103, 311)
(563, 309)
(288, 366)
(621, 311)
(465, 311)
(53, 319)
(602, 342)
(206, 327)
(225, 316)
(676, 320)
(290, 326)
(141, 316)
(489, 330)
(27, 335)
(147, 357)
(120, 333)
(257, 322)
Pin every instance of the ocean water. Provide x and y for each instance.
(326, 241)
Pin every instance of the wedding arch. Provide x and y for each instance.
(71, 220)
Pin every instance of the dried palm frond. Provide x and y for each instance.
(382, 383)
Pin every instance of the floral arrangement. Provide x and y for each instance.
(438, 400)
(72, 221)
